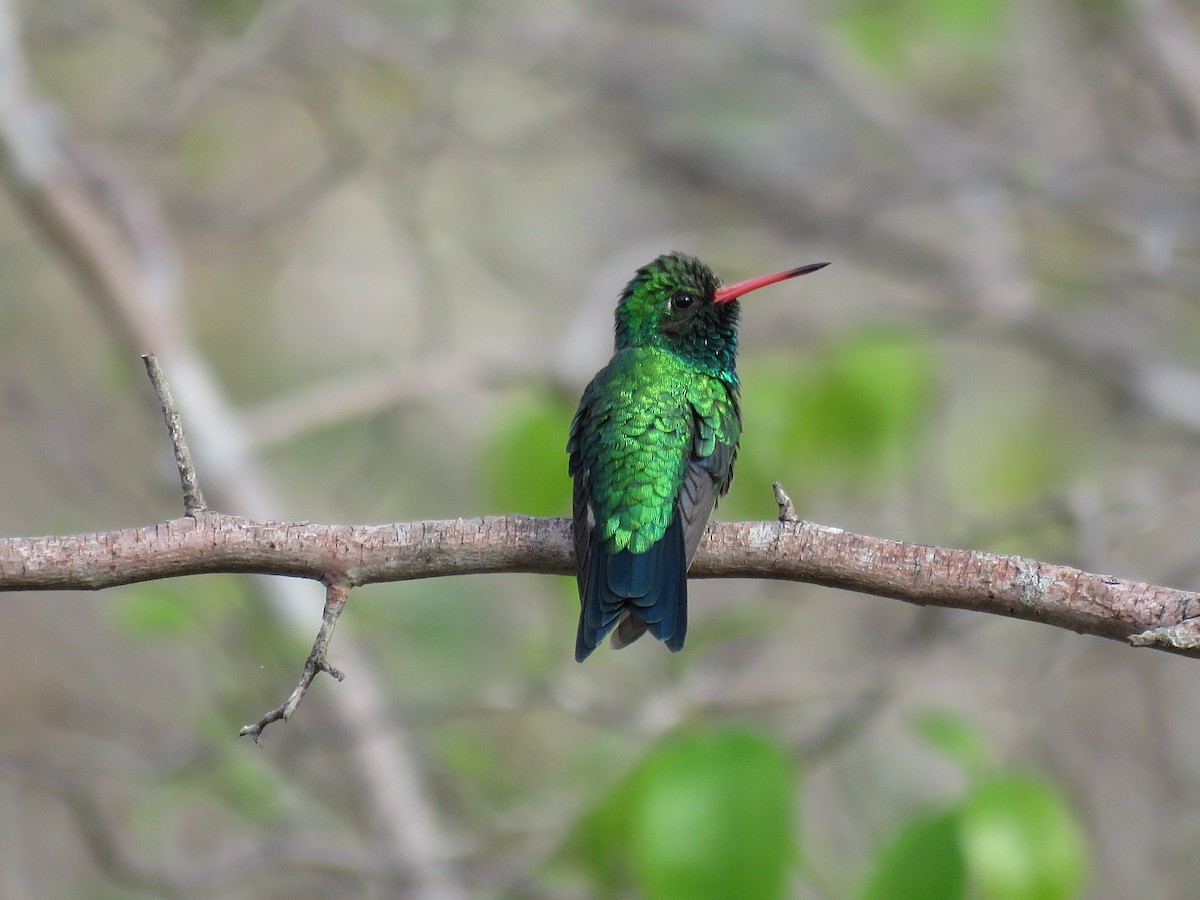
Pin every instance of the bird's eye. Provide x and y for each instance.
(683, 301)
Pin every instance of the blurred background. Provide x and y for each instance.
(376, 247)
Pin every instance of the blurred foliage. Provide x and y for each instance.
(181, 607)
(848, 418)
(524, 465)
(709, 814)
(156, 609)
(959, 741)
(1012, 836)
(923, 861)
(1022, 841)
(900, 36)
(704, 814)
(228, 16)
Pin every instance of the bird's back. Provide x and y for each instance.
(634, 443)
(651, 446)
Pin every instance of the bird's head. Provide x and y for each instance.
(678, 303)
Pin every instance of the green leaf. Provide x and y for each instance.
(525, 460)
(923, 862)
(715, 818)
(1022, 841)
(956, 738)
(703, 815)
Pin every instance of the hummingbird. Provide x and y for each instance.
(652, 447)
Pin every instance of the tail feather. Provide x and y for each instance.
(628, 630)
(645, 591)
(631, 575)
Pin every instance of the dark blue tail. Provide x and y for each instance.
(650, 586)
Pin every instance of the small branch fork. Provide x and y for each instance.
(336, 591)
(335, 602)
(788, 549)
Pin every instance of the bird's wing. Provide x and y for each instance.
(578, 470)
(710, 469)
(637, 577)
(696, 502)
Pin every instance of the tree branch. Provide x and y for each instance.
(353, 555)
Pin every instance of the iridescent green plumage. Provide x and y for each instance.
(651, 448)
(646, 415)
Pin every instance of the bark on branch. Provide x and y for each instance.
(353, 555)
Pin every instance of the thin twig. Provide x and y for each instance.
(335, 602)
(193, 498)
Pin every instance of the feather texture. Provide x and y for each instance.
(643, 493)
